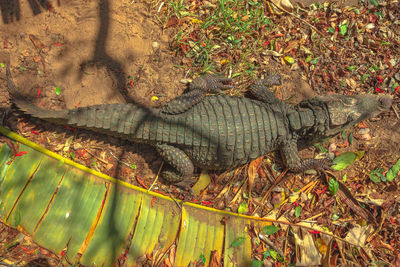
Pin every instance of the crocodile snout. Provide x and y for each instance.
(386, 102)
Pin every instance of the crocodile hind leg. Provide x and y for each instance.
(197, 91)
(292, 159)
(179, 169)
(260, 88)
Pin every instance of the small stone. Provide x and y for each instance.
(185, 81)
(295, 66)
(332, 147)
(220, 205)
(364, 131)
(77, 146)
(366, 137)
(303, 197)
(155, 45)
(311, 172)
(276, 198)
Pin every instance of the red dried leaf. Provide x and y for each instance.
(39, 92)
(20, 153)
(173, 21)
(214, 262)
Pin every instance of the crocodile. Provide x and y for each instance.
(220, 132)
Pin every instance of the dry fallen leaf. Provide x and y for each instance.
(253, 169)
(284, 4)
(214, 262)
(307, 253)
(203, 182)
(358, 234)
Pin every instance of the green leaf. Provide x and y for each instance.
(93, 162)
(351, 68)
(374, 2)
(297, 211)
(314, 61)
(331, 30)
(344, 177)
(333, 186)
(364, 77)
(202, 258)
(72, 155)
(271, 253)
(379, 14)
(343, 29)
(320, 147)
(243, 207)
(392, 173)
(374, 68)
(58, 90)
(351, 138)
(374, 175)
(308, 58)
(289, 60)
(344, 160)
(344, 134)
(394, 86)
(1, 65)
(133, 166)
(237, 242)
(257, 263)
(357, 11)
(270, 229)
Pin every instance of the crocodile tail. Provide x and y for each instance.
(58, 116)
(129, 121)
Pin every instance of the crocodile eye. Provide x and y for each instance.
(386, 102)
(352, 117)
(349, 101)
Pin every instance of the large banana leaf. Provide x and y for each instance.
(96, 219)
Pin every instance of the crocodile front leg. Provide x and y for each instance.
(292, 159)
(260, 88)
(197, 91)
(179, 169)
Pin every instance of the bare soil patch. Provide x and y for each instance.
(99, 52)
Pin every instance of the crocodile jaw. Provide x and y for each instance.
(345, 111)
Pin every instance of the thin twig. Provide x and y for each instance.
(297, 17)
(155, 180)
(2, 263)
(120, 161)
(96, 157)
(277, 181)
(395, 112)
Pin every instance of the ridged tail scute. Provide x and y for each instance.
(57, 116)
(128, 121)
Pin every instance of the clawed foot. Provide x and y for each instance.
(186, 186)
(314, 164)
(212, 83)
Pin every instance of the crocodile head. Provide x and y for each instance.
(344, 111)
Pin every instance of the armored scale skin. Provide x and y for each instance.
(220, 132)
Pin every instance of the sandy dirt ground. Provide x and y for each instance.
(99, 52)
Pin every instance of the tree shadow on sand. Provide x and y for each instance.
(11, 9)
